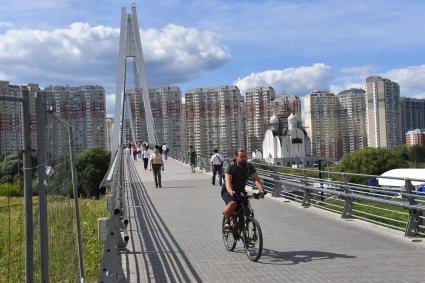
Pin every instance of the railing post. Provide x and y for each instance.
(277, 185)
(27, 162)
(307, 194)
(412, 227)
(42, 194)
(348, 201)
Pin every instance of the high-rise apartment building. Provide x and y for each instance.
(183, 125)
(85, 109)
(412, 114)
(415, 137)
(284, 106)
(166, 110)
(322, 120)
(258, 113)
(214, 119)
(383, 112)
(11, 119)
(353, 119)
(243, 119)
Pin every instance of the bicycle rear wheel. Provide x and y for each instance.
(228, 238)
(253, 239)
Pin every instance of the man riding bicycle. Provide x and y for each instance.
(236, 176)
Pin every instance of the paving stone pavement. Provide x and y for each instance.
(175, 236)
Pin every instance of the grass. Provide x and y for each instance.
(63, 252)
(360, 208)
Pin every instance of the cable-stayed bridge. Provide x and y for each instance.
(315, 229)
(175, 233)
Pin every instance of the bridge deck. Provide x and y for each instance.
(175, 236)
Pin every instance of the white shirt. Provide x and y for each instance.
(145, 154)
(164, 147)
(216, 157)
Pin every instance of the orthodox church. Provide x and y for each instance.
(287, 146)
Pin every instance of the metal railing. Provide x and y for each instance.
(116, 237)
(345, 193)
(16, 207)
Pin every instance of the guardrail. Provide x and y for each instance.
(402, 208)
(115, 238)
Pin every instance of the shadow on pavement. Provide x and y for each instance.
(296, 257)
(161, 255)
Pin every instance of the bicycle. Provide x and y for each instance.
(245, 228)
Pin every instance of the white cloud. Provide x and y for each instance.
(411, 80)
(81, 53)
(178, 54)
(6, 25)
(294, 81)
(84, 54)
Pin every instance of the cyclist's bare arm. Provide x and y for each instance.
(228, 180)
(257, 181)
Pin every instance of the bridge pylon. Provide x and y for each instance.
(130, 46)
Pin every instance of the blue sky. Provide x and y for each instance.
(294, 46)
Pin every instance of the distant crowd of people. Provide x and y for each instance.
(155, 163)
(140, 150)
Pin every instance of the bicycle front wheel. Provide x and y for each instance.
(253, 239)
(228, 237)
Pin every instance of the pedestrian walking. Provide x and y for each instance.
(134, 151)
(217, 161)
(156, 164)
(191, 154)
(145, 156)
(139, 151)
(165, 150)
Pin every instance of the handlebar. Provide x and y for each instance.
(254, 195)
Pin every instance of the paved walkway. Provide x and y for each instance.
(175, 236)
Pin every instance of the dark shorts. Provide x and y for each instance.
(192, 162)
(226, 197)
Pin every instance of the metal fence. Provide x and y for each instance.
(13, 204)
(401, 208)
(39, 221)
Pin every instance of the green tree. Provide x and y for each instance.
(92, 166)
(11, 167)
(416, 153)
(373, 161)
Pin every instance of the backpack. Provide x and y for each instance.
(221, 162)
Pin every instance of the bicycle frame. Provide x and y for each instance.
(241, 216)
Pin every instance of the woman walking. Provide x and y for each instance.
(155, 164)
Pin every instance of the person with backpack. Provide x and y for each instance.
(217, 161)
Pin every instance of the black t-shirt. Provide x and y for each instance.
(239, 175)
